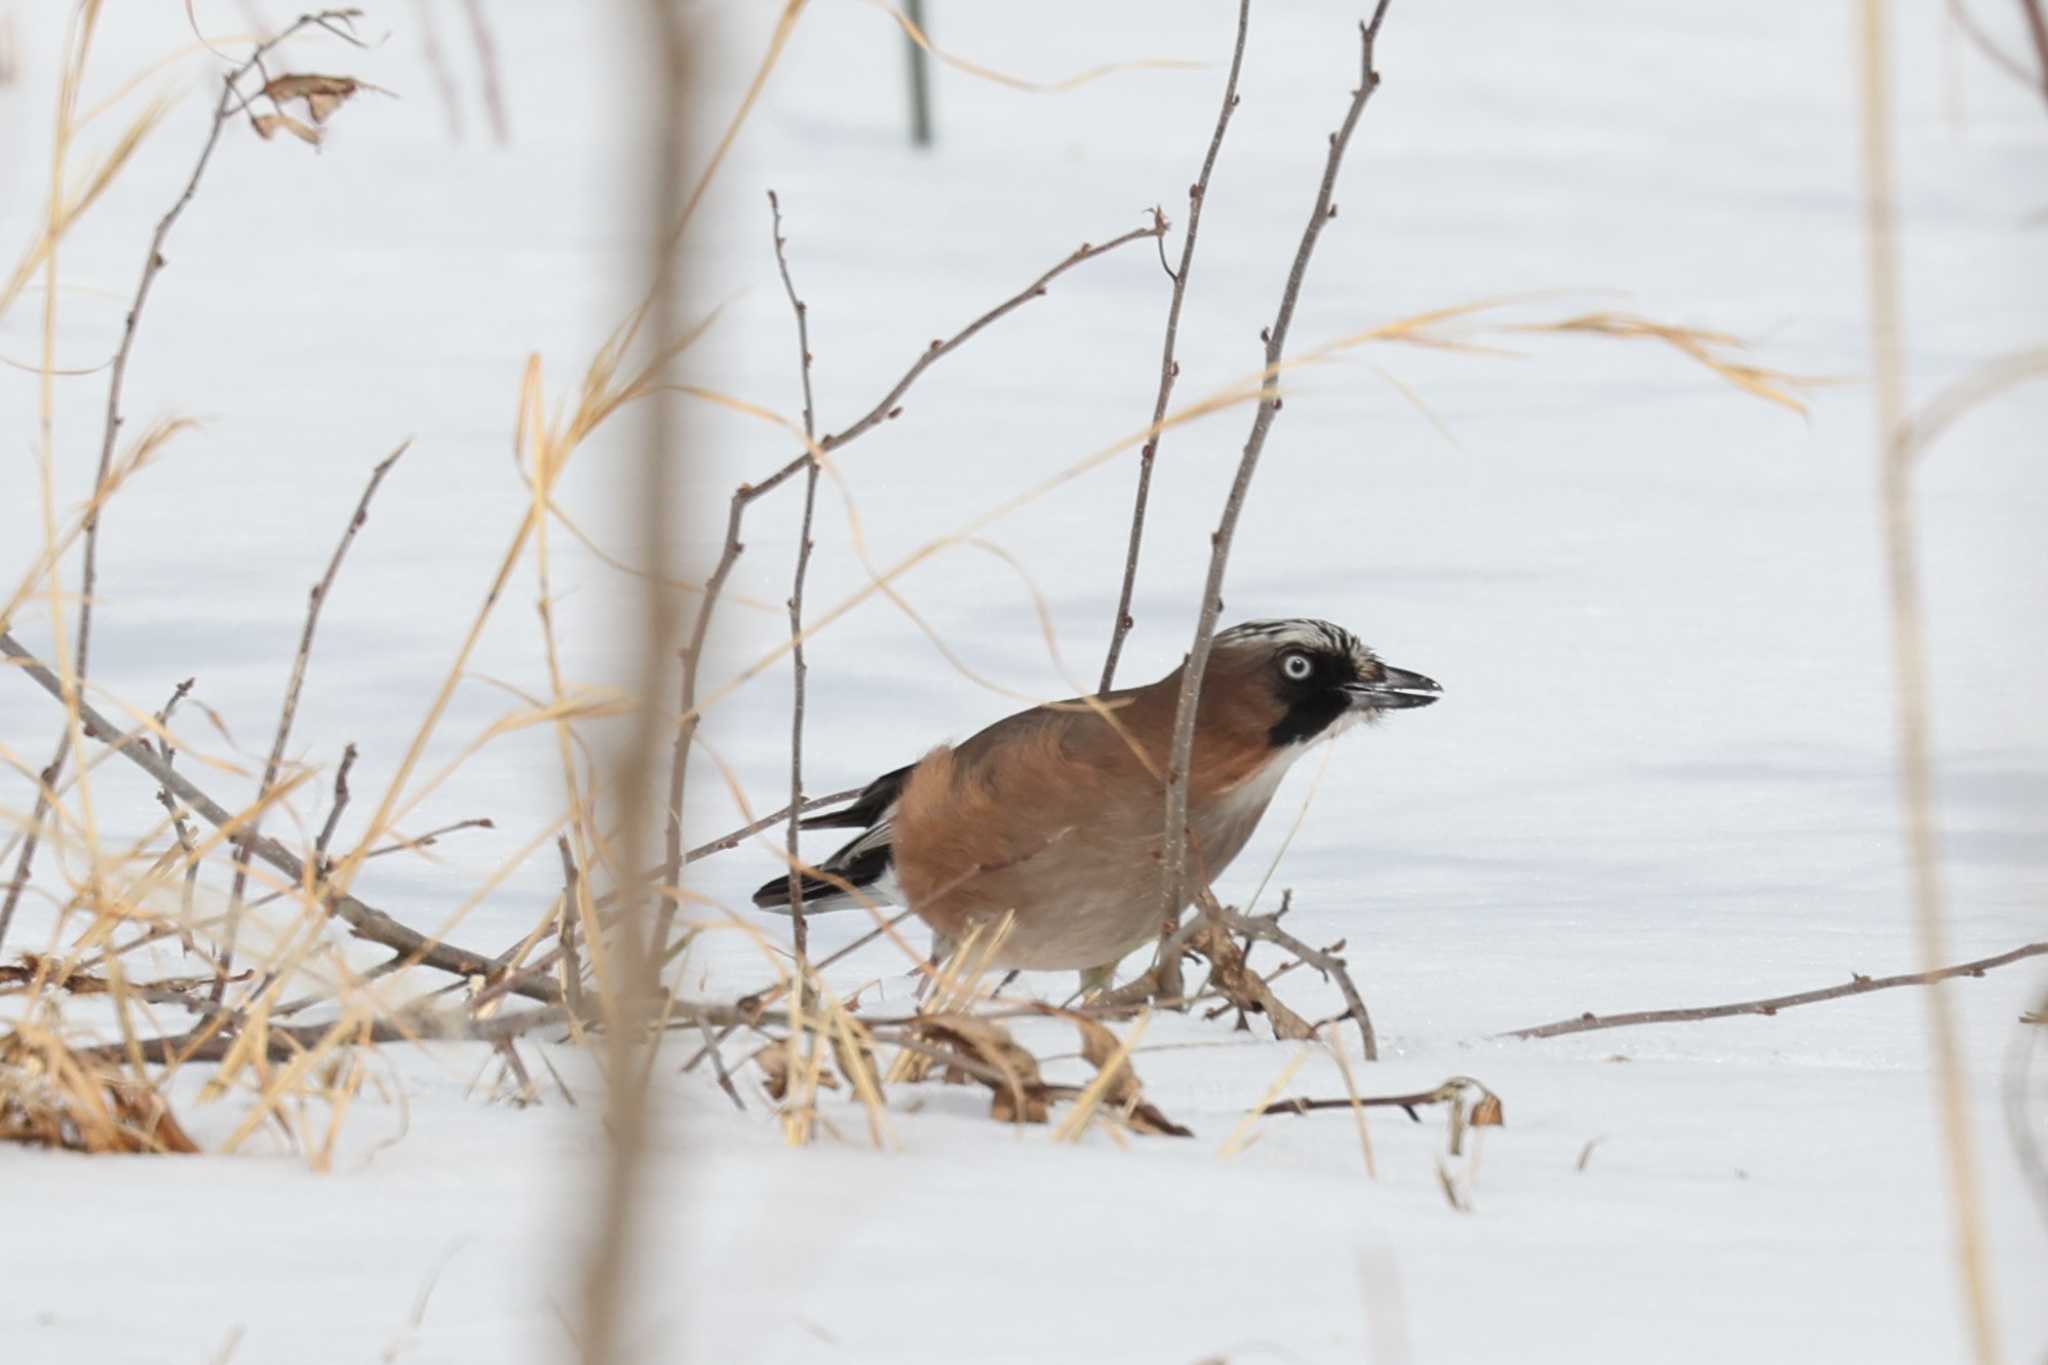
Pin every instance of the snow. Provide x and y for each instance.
(1662, 773)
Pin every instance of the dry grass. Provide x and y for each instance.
(816, 1049)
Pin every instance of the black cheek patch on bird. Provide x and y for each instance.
(1308, 715)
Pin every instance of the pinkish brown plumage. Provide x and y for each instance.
(1054, 815)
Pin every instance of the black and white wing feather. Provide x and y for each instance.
(866, 864)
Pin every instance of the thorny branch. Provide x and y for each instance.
(799, 930)
(1175, 854)
(1169, 367)
(314, 602)
(1857, 985)
(337, 22)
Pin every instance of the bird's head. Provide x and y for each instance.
(1312, 678)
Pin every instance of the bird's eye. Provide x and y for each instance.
(1296, 667)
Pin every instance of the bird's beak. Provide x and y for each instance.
(1396, 689)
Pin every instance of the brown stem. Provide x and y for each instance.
(364, 920)
(572, 966)
(799, 929)
(314, 602)
(211, 1042)
(179, 823)
(747, 494)
(1857, 985)
(336, 22)
(1175, 854)
(1266, 929)
(339, 804)
(1169, 368)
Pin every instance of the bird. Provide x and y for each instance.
(1055, 816)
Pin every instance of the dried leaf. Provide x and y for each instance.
(1230, 974)
(50, 1097)
(1124, 1092)
(1487, 1113)
(774, 1063)
(1010, 1073)
(268, 124)
(322, 94)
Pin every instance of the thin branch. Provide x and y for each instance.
(1453, 1091)
(318, 598)
(747, 494)
(179, 823)
(366, 921)
(1266, 929)
(1856, 985)
(1999, 57)
(1169, 368)
(1175, 858)
(487, 61)
(209, 1042)
(152, 264)
(431, 837)
(572, 966)
(608, 915)
(337, 806)
(799, 930)
(2037, 29)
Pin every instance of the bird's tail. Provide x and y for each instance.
(861, 873)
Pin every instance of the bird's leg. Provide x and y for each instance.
(1098, 978)
(942, 949)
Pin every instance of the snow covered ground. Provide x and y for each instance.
(1662, 773)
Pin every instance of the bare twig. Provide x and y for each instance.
(337, 806)
(1266, 929)
(1453, 1091)
(365, 921)
(606, 904)
(1974, 31)
(431, 837)
(487, 62)
(2037, 30)
(179, 824)
(1169, 367)
(152, 264)
(1857, 985)
(799, 930)
(289, 712)
(572, 966)
(1175, 859)
(211, 1042)
(747, 494)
